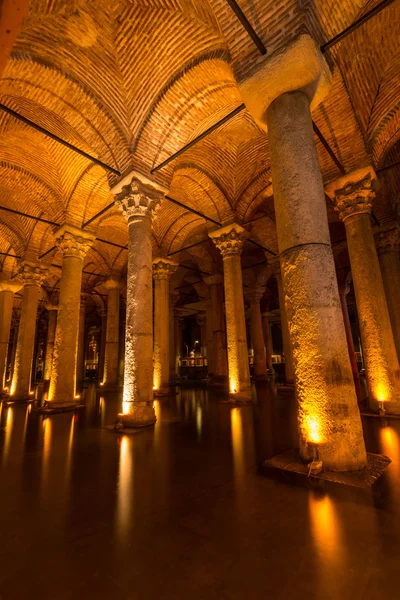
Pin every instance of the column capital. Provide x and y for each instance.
(229, 239)
(163, 268)
(9, 285)
(254, 296)
(138, 199)
(216, 279)
(353, 193)
(113, 282)
(31, 273)
(51, 306)
(73, 241)
(387, 241)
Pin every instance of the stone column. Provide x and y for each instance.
(267, 340)
(344, 289)
(219, 350)
(15, 327)
(388, 247)
(229, 240)
(173, 299)
(201, 322)
(138, 202)
(80, 356)
(328, 411)
(353, 195)
(7, 291)
(102, 350)
(209, 341)
(113, 285)
(179, 320)
(286, 342)
(256, 328)
(51, 335)
(162, 271)
(74, 244)
(32, 275)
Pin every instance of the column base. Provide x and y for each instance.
(109, 387)
(243, 396)
(218, 381)
(56, 407)
(165, 391)
(20, 399)
(263, 377)
(383, 408)
(140, 415)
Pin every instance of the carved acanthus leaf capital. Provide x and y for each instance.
(354, 198)
(32, 273)
(163, 268)
(229, 239)
(138, 199)
(73, 241)
(387, 241)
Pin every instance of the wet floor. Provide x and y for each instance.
(179, 511)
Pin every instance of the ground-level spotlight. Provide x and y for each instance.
(316, 464)
(381, 408)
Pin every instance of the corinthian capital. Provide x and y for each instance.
(31, 273)
(163, 268)
(229, 239)
(353, 193)
(73, 241)
(138, 199)
(387, 241)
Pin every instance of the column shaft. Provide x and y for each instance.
(350, 344)
(80, 354)
(51, 335)
(112, 338)
(267, 341)
(260, 360)
(219, 346)
(161, 336)
(388, 254)
(6, 307)
(102, 351)
(327, 403)
(286, 342)
(21, 382)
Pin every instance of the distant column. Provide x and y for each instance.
(7, 291)
(219, 354)
(51, 335)
(113, 284)
(260, 360)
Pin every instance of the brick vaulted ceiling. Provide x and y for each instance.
(132, 81)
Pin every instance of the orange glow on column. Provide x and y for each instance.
(313, 429)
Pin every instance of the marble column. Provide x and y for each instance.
(138, 201)
(80, 355)
(353, 195)
(327, 403)
(162, 271)
(51, 336)
(219, 349)
(179, 322)
(229, 240)
(256, 328)
(74, 244)
(267, 341)
(102, 350)
(32, 275)
(7, 291)
(388, 247)
(173, 299)
(113, 286)
(344, 289)
(286, 342)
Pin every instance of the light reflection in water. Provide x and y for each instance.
(47, 434)
(125, 485)
(237, 443)
(8, 432)
(199, 420)
(391, 447)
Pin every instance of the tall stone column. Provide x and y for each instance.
(229, 240)
(388, 247)
(14, 328)
(102, 349)
(328, 411)
(179, 321)
(74, 244)
(80, 355)
(138, 202)
(256, 328)
(51, 336)
(343, 291)
(209, 341)
(32, 275)
(267, 340)
(201, 322)
(219, 350)
(286, 342)
(162, 271)
(113, 286)
(173, 299)
(7, 291)
(353, 195)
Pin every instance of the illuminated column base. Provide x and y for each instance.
(138, 201)
(327, 404)
(353, 195)
(229, 240)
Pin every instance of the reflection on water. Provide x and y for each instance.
(125, 486)
(8, 433)
(390, 444)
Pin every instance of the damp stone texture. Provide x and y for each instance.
(353, 195)
(51, 336)
(74, 244)
(7, 290)
(163, 268)
(138, 202)
(230, 240)
(286, 341)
